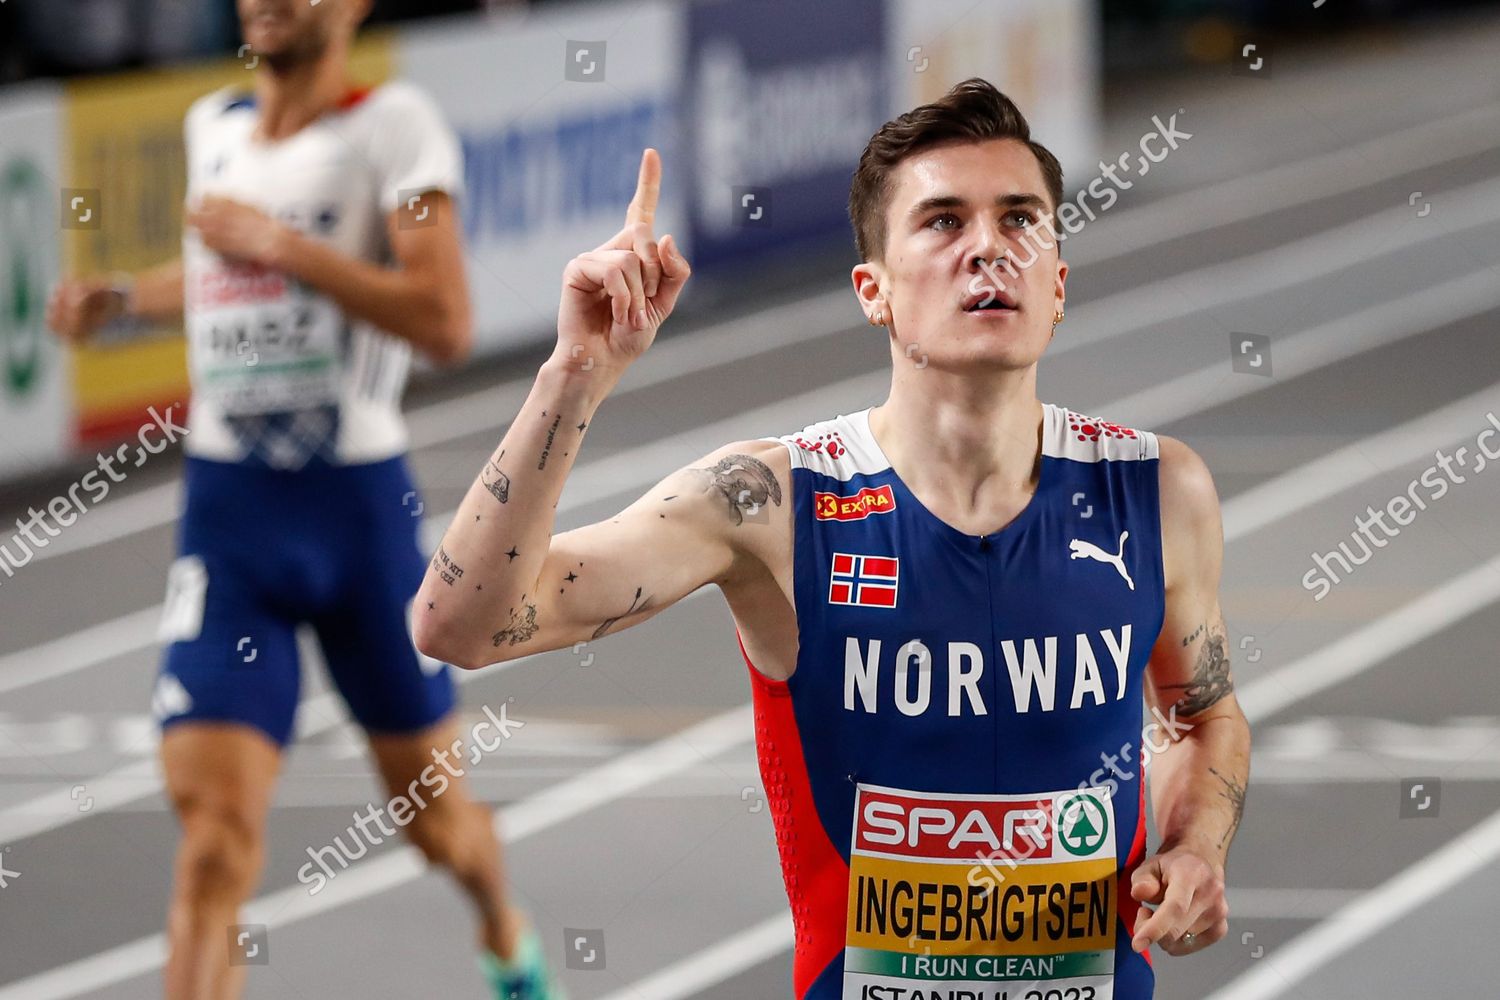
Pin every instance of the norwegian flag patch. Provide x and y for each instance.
(865, 581)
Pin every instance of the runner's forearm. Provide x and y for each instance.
(414, 306)
(1198, 786)
(156, 293)
(492, 553)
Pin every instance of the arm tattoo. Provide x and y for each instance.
(746, 484)
(520, 628)
(548, 446)
(446, 568)
(636, 604)
(497, 482)
(1235, 793)
(1211, 680)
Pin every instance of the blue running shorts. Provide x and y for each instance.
(263, 550)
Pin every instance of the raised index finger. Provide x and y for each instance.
(647, 190)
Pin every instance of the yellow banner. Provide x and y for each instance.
(123, 188)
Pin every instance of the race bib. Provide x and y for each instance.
(263, 343)
(981, 897)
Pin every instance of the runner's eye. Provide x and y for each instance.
(935, 222)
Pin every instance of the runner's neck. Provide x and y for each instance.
(290, 99)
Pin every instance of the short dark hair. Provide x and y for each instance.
(973, 111)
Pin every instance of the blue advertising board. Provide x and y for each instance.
(779, 99)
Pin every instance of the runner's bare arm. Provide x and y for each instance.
(500, 585)
(1200, 743)
(1198, 783)
(78, 307)
(424, 299)
(488, 597)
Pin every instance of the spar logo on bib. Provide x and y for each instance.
(1082, 824)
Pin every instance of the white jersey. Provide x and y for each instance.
(279, 372)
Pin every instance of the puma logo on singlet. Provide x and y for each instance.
(1088, 550)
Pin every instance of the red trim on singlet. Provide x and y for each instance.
(352, 97)
(816, 875)
(1127, 904)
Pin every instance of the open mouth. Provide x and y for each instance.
(991, 302)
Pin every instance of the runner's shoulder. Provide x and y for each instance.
(216, 103)
(1187, 486)
(400, 101)
(760, 466)
(1191, 521)
(740, 485)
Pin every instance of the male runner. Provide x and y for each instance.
(985, 587)
(321, 248)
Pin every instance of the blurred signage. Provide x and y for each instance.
(34, 425)
(553, 110)
(780, 97)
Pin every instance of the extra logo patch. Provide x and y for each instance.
(866, 581)
(832, 507)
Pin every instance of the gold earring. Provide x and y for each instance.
(878, 319)
(1057, 318)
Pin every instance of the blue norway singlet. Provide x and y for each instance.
(954, 767)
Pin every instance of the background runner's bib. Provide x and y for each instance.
(954, 689)
(279, 347)
(279, 372)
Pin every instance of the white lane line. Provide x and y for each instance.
(141, 779)
(1189, 393)
(713, 965)
(1292, 184)
(1130, 230)
(1380, 453)
(1350, 655)
(1395, 899)
(526, 818)
(79, 650)
(1372, 770)
(119, 518)
(1375, 326)
(1287, 265)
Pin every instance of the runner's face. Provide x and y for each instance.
(293, 30)
(952, 207)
